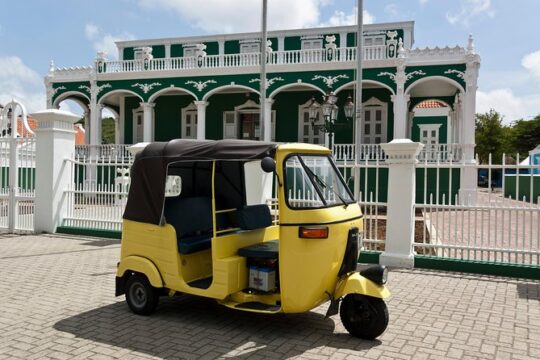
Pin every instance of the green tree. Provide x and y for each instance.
(492, 137)
(107, 131)
(526, 136)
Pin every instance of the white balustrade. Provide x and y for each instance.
(374, 152)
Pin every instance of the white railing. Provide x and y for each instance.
(289, 57)
(97, 196)
(374, 152)
(498, 223)
(104, 152)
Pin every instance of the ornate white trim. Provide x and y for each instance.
(104, 86)
(56, 90)
(269, 82)
(146, 87)
(330, 80)
(85, 88)
(199, 85)
(408, 76)
(459, 74)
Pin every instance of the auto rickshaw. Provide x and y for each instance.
(258, 226)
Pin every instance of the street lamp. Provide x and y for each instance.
(329, 111)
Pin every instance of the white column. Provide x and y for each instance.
(120, 53)
(400, 101)
(469, 173)
(167, 50)
(342, 45)
(267, 126)
(201, 119)
(122, 120)
(401, 162)
(87, 126)
(55, 142)
(280, 48)
(221, 51)
(95, 115)
(148, 114)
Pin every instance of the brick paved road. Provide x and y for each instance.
(57, 302)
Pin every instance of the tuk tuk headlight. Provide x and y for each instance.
(376, 273)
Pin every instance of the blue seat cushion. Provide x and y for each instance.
(191, 244)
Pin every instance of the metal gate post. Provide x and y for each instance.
(13, 181)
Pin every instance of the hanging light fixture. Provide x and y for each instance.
(348, 108)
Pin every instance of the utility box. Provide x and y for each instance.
(262, 278)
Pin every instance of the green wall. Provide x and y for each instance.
(131, 103)
(424, 120)
(446, 189)
(158, 51)
(129, 54)
(510, 189)
(168, 116)
(177, 50)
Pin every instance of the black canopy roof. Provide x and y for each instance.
(149, 170)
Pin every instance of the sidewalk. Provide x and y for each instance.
(58, 302)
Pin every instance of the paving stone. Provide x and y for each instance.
(60, 304)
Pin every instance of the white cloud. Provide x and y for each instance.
(531, 62)
(19, 82)
(423, 2)
(218, 16)
(512, 107)
(102, 41)
(392, 10)
(340, 18)
(470, 9)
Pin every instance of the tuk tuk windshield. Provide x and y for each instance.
(313, 181)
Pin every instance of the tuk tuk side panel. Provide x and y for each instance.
(309, 267)
(156, 243)
(227, 245)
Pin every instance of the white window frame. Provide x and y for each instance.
(249, 107)
(427, 140)
(373, 39)
(250, 47)
(138, 112)
(321, 137)
(372, 105)
(190, 110)
(312, 44)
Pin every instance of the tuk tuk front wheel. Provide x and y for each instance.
(141, 297)
(363, 316)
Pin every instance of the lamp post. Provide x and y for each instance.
(329, 111)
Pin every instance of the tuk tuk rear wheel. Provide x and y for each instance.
(364, 317)
(141, 297)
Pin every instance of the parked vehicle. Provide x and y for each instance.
(260, 227)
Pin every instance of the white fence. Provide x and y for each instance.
(97, 196)
(17, 191)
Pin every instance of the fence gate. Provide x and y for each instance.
(17, 190)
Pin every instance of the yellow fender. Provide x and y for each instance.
(357, 284)
(143, 266)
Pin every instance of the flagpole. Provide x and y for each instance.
(358, 101)
(262, 102)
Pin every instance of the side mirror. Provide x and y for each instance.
(268, 165)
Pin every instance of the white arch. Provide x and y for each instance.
(13, 105)
(106, 95)
(66, 95)
(435, 77)
(170, 89)
(219, 88)
(287, 86)
(342, 87)
(115, 113)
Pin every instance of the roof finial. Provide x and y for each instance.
(51, 67)
(470, 45)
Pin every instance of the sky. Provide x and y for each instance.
(70, 32)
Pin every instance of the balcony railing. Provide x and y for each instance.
(290, 57)
(374, 152)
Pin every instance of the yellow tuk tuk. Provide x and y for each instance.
(258, 226)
